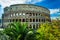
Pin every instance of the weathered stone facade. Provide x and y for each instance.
(29, 13)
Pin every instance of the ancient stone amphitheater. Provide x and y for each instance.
(32, 14)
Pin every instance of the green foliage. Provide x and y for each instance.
(3, 36)
(48, 31)
(31, 35)
(16, 31)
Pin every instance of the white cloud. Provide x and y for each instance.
(34, 1)
(54, 18)
(29, 0)
(5, 3)
(53, 11)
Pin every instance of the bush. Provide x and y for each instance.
(18, 31)
(3, 36)
(48, 31)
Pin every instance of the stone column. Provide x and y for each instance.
(35, 26)
(32, 26)
(32, 19)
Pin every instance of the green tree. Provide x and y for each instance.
(16, 31)
(3, 36)
(48, 32)
(32, 35)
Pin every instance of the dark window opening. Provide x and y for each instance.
(30, 14)
(13, 20)
(39, 13)
(26, 13)
(39, 20)
(33, 14)
(36, 20)
(23, 20)
(30, 20)
(16, 20)
(33, 20)
(20, 20)
(36, 14)
(30, 26)
(33, 26)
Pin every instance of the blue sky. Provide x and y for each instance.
(52, 5)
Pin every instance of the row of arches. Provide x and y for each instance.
(28, 20)
(24, 14)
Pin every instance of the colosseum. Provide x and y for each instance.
(32, 14)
